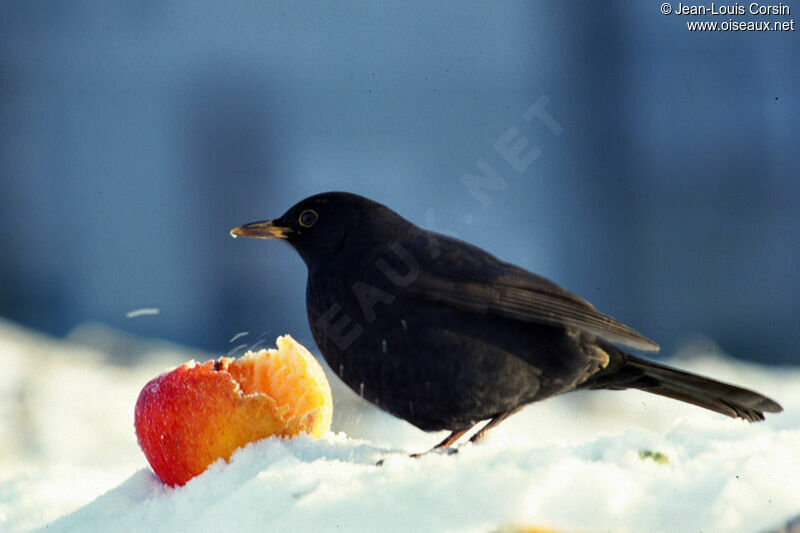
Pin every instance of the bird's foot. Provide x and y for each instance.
(443, 451)
(440, 451)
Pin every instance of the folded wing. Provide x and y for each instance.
(465, 277)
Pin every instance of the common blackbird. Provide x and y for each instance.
(444, 335)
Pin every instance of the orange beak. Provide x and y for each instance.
(266, 229)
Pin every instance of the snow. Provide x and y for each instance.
(142, 312)
(581, 462)
(239, 336)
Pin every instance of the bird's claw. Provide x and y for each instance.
(442, 451)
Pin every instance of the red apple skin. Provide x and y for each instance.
(188, 418)
(195, 414)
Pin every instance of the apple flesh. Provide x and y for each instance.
(188, 418)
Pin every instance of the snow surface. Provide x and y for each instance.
(582, 462)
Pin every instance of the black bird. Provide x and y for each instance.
(444, 335)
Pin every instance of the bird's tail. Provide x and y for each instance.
(626, 371)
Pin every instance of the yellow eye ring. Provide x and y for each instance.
(307, 218)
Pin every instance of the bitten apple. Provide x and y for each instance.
(188, 418)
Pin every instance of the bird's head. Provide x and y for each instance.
(320, 226)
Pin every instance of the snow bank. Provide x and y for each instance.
(599, 461)
(718, 477)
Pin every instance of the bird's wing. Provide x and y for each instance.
(464, 276)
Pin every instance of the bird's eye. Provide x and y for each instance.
(307, 218)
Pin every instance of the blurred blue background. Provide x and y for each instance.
(134, 135)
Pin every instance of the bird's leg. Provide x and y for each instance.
(446, 443)
(451, 439)
(492, 423)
